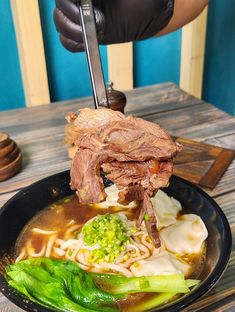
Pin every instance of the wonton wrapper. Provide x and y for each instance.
(166, 209)
(160, 264)
(186, 236)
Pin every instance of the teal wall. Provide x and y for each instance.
(157, 60)
(11, 89)
(219, 77)
(67, 72)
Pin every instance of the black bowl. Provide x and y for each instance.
(24, 205)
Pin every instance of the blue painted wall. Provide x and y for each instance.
(68, 73)
(157, 60)
(11, 89)
(219, 77)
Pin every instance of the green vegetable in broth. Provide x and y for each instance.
(174, 283)
(59, 284)
(64, 286)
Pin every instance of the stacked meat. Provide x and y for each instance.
(133, 153)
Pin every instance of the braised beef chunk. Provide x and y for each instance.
(128, 173)
(85, 177)
(134, 153)
(147, 214)
(131, 193)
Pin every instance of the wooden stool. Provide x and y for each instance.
(10, 157)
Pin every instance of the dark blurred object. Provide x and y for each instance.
(10, 157)
(117, 99)
(116, 21)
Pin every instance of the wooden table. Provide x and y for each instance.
(39, 133)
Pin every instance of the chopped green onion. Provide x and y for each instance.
(146, 217)
(109, 233)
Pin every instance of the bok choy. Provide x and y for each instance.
(64, 286)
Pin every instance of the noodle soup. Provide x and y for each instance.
(58, 224)
(70, 231)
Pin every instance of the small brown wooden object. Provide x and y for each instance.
(202, 163)
(117, 99)
(10, 157)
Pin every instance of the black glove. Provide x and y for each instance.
(116, 20)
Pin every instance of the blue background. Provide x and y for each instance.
(11, 88)
(155, 60)
(219, 75)
(67, 72)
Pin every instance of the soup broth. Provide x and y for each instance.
(58, 216)
(63, 221)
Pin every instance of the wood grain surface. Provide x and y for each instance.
(39, 133)
(202, 163)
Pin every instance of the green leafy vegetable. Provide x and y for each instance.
(117, 284)
(59, 284)
(64, 286)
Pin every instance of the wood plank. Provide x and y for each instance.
(31, 51)
(226, 184)
(191, 121)
(213, 128)
(34, 145)
(192, 55)
(202, 163)
(7, 306)
(50, 119)
(120, 65)
(39, 131)
(51, 116)
(225, 141)
(5, 197)
(217, 169)
(141, 101)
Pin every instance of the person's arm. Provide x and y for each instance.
(185, 11)
(125, 20)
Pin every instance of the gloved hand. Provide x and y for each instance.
(116, 20)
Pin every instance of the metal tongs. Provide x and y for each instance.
(92, 52)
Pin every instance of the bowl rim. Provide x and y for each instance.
(18, 299)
